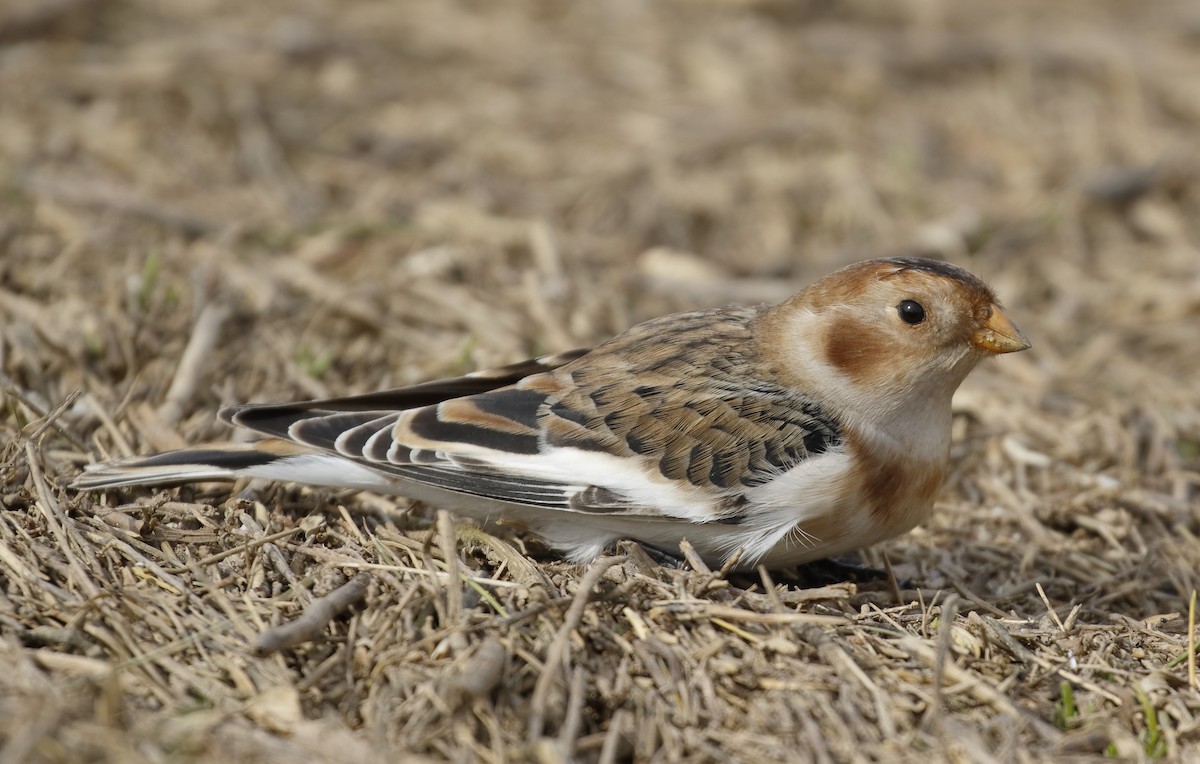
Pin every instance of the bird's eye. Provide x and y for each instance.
(911, 312)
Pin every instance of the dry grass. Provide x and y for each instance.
(216, 201)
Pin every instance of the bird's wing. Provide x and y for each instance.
(414, 396)
(669, 419)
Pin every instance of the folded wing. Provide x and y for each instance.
(634, 428)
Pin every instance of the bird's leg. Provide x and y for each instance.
(851, 568)
(833, 570)
(660, 557)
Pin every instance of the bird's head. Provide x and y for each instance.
(889, 332)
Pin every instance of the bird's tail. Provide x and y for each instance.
(268, 459)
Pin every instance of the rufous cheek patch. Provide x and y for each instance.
(856, 349)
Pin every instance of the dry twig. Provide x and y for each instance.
(316, 617)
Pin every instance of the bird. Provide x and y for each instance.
(763, 435)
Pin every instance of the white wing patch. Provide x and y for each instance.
(644, 490)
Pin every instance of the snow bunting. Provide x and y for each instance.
(793, 432)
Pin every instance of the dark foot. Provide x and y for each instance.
(838, 569)
(653, 554)
(832, 571)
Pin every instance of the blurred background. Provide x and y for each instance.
(382, 188)
(330, 197)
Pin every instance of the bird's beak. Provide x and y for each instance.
(999, 334)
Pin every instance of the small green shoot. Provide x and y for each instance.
(1152, 740)
(151, 271)
(1066, 711)
(314, 363)
(1188, 449)
(462, 362)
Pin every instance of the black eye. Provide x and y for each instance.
(911, 312)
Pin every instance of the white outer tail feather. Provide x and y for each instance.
(312, 469)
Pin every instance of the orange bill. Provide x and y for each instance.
(999, 334)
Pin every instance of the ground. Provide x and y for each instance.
(212, 201)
